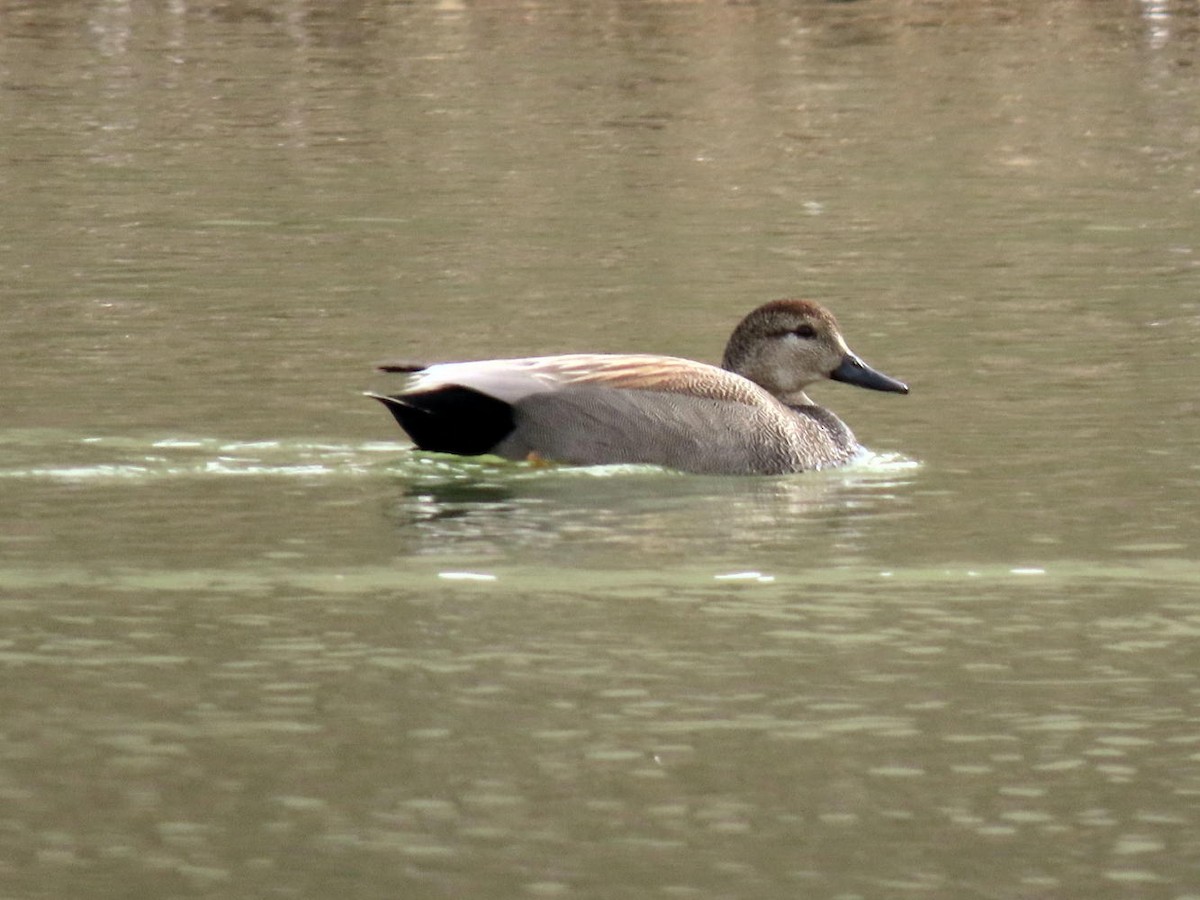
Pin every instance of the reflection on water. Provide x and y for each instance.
(599, 510)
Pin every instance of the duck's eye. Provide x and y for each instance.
(805, 331)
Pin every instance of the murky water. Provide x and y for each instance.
(253, 646)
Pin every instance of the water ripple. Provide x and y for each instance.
(108, 459)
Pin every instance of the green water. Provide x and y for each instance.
(251, 645)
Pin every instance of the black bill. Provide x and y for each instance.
(853, 370)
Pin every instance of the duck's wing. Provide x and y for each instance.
(597, 409)
(511, 380)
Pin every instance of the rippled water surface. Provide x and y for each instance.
(253, 646)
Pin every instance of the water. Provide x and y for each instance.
(253, 646)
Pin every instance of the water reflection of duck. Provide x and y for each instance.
(751, 416)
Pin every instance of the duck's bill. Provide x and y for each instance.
(853, 370)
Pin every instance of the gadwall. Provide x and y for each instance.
(751, 416)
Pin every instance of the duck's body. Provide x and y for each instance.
(749, 417)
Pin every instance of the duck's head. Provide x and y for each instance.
(786, 345)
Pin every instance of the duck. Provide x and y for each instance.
(748, 416)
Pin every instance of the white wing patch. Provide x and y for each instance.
(511, 380)
(505, 379)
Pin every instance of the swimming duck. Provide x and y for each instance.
(750, 416)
